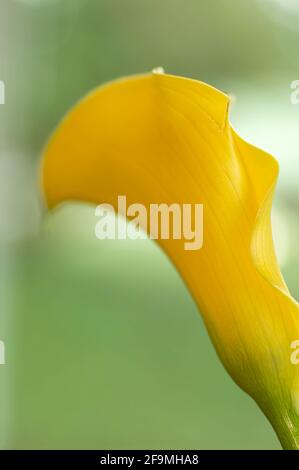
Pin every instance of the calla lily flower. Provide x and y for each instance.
(161, 138)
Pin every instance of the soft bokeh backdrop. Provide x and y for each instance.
(104, 345)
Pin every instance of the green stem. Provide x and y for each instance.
(287, 429)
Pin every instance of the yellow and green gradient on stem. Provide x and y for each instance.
(160, 138)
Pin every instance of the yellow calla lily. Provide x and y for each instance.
(161, 138)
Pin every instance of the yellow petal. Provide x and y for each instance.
(159, 138)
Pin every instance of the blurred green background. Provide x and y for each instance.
(104, 345)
